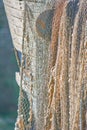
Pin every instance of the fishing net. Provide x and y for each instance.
(52, 58)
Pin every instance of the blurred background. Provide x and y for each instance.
(8, 67)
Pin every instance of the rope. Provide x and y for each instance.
(20, 121)
(22, 61)
(17, 58)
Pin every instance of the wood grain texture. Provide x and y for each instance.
(14, 10)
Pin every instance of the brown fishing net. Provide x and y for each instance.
(53, 66)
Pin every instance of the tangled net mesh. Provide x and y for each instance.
(53, 74)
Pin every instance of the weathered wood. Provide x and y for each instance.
(14, 10)
(16, 4)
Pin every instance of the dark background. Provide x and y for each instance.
(8, 67)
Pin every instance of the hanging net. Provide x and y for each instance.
(52, 56)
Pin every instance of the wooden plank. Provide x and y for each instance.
(18, 31)
(14, 4)
(14, 15)
(17, 46)
(15, 20)
(14, 12)
(17, 38)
